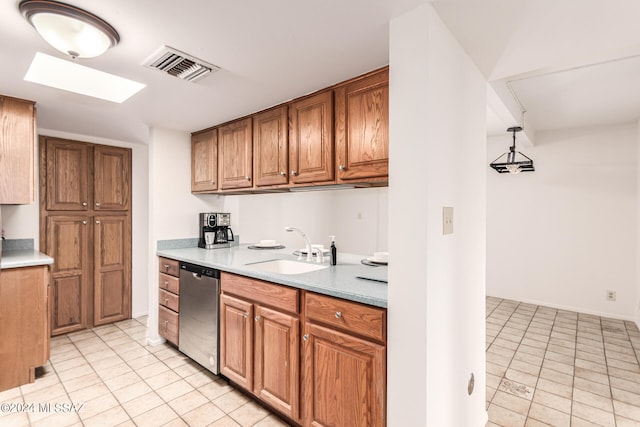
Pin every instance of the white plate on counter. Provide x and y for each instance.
(378, 260)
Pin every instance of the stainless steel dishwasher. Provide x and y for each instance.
(198, 325)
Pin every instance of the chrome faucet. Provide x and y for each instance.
(320, 255)
(306, 239)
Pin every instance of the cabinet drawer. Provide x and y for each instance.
(169, 266)
(169, 283)
(168, 324)
(265, 293)
(350, 316)
(169, 300)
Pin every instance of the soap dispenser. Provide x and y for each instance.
(334, 253)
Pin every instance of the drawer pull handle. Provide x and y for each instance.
(84, 203)
(257, 318)
(294, 173)
(98, 222)
(166, 284)
(305, 337)
(246, 314)
(165, 323)
(97, 203)
(342, 167)
(338, 314)
(166, 266)
(84, 222)
(166, 300)
(283, 173)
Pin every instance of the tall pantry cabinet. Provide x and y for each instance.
(85, 225)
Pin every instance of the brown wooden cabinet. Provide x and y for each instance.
(112, 176)
(235, 155)
(270, 147)
(85, 211)
(204, 161)
(112, 268)
(259, 340)
(24, 336)
(362, 128)
(169, 299)
(67, 243)
(18, 149)
(344, 340)
(311, 153)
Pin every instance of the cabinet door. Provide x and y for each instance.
(67, 175)
(236, 340)
(311, 139)
(235, 155)
(204, 161)
(18, 151)
(276, 372)
(112, 166)
(112, 269)
(358, 398)
(68, 244)
(362, 128)
(24, 342)
(270, 147)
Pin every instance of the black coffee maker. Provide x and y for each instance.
(215, 231)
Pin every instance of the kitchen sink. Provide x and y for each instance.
(285, 266)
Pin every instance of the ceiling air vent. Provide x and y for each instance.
(179, 64)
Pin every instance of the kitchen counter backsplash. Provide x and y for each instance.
(17, 244)
(164, 245)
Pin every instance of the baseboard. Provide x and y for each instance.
(155, 341)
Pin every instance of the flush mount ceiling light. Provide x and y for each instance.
(69, 29)
(513, 161)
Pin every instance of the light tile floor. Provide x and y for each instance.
(120, 381)
(544, 367)
(560, 368)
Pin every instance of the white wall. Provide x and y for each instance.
(357, 217)
(563, 235)
(22, 221)
(436, 282)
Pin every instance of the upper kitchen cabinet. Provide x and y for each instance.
(112, 171)
(204, 161)
(362, 128)
(18, 148)
(72, 185)
(311, 155)
(67, 174)
(270, 147)
(235, 154)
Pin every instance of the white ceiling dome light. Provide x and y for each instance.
(69, 29)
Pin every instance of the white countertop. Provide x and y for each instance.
(23, 258)
(341, 280)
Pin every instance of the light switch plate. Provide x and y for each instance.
(447, 220)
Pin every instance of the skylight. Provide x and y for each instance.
(70, 76)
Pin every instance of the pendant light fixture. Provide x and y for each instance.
(69, 29)
(513, 161)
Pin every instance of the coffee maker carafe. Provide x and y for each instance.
(215, 231)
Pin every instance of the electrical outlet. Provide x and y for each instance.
(447, 220)
(611, 295)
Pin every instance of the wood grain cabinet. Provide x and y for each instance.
(346, 341)
(204, 161)
(362, 128)
(18, 151)
(271, 147)
(311, 153)
(259, 340)
(235, 155)
(24, 335)
(85, 225)
(169, 299)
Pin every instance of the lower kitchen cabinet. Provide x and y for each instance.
(24, 329)
(329, 372)
(343, 363)
(169, 299)
(259, 333)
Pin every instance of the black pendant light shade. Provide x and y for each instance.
(513, 161)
